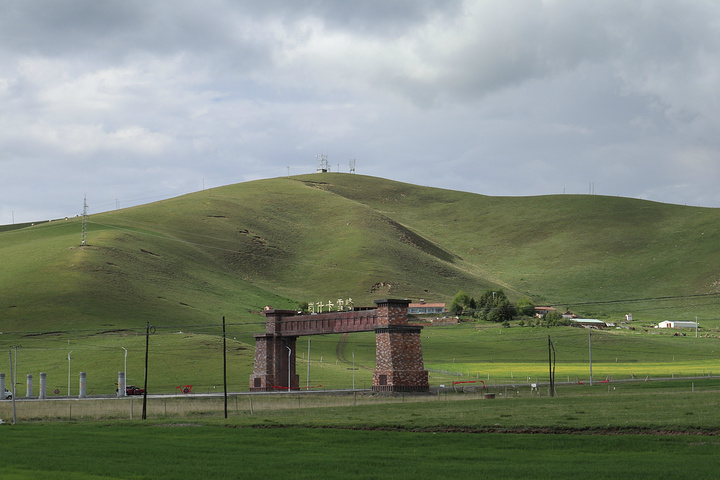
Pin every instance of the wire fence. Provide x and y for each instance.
(190, 406)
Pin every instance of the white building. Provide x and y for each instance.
(677, 324)
(588, 322)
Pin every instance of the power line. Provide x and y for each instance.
(632, 300)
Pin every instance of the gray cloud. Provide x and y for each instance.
(133, 99)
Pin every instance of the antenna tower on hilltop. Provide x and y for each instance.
(352, 165)
(322, 163)
(84, 223)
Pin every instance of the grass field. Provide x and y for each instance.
(181, 356)
(473, 351)
(181, 451)
(640, 430)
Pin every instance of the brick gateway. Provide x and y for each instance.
(399, 361)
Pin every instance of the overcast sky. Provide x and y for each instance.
(134, 101)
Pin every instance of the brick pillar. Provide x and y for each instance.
(399, 361)
(270, 372)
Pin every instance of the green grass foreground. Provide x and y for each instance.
(644, 430)
(185, 451)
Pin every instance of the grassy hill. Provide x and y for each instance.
(230, 251)
(233, 249)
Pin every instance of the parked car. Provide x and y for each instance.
(132, 390)
(7, 395)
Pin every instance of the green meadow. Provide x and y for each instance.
(468, 352)
(179, 451)
(639, 430)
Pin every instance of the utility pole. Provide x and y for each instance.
(224, 367)
(147, 350)
(551, 366)
(590, 345)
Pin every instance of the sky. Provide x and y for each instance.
(127, 102)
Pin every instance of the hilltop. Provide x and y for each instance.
(234, 249)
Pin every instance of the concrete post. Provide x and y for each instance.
(2, 385)
(29, 390)
(121, 384)
(83, 387)
(43, 386)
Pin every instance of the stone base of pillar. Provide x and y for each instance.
(401, 388)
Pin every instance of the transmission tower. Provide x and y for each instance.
(322, 163)
(84, 223)
(352, 165)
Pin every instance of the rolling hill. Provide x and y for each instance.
(182, 264)
(231, 250)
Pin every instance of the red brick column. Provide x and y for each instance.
(399, 361)
(271, 364)
(272, 357)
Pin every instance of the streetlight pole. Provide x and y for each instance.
(69, 372)
(289, 355)
(308, 372)
(14, 379)
(125, 372)
(13, 385)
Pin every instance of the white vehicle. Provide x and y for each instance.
(7, 394)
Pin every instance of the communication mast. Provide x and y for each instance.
(352, 165)
(84, 223)
(322, 163)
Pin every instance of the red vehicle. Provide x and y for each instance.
(133, 390)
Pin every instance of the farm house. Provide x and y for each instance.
(426, 308)
(676, 324)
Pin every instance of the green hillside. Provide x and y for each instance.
(183, 264)
(234, 249)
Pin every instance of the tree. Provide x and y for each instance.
(460, 302)
(553, 318)
(494, 306)
(525, 307)
(502, 311)
(491, 298)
